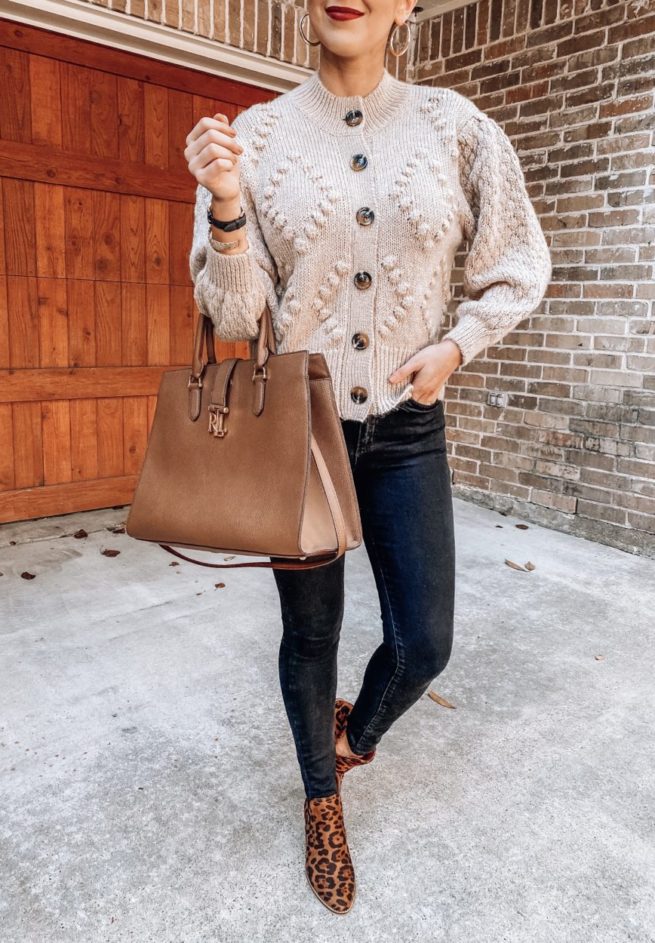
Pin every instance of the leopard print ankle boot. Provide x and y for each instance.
(328, 864)
(344, 763)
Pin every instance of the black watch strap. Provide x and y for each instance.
(227, 225)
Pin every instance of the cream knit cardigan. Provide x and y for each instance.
(369, 289)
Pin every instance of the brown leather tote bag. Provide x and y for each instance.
(248, 457)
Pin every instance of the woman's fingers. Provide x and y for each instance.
(211, 131)
(210, 153)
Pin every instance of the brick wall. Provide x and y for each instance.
(572, 85)
(571, 82)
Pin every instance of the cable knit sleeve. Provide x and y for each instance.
(508, 265)
(232, 289)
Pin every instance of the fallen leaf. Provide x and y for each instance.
(116, 528)
(515, 566)
(231, 557)
(499, 525)
(28, 576)
(216, 585)
(439, 699)
(80, 533)
(174, 563)
(521, 526)
(530, 566)
(110, 553)
(599, 657)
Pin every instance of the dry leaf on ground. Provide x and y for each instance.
(438, 699)
(515, 566)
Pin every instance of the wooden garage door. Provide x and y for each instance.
(96, 215)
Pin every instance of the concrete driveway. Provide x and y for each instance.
(149, 789)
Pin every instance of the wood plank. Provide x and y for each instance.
(84, 439)
(106, 229)
(135, 432)
(66, 498)
(180, 123)
(7, 479)
(53, 322)
(155, 123)
(55, 417)
(50, 239)
(3, 256)
(134, 324)
(119, 62)
(182, 323)
(108, 329)
(23, 322)
(131, 133)
(28, 386)
(81, 323)
(45, 103)
(75, 108)
(4, 323)
(157, 314)
(157, 241)
(78, 239)
(110, 437)
(32, 162)
(15, 123)
(103, 125)
(20, 231)
(132, 243)
(180, 221)
(28, 445)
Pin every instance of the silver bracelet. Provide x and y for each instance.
(220, 246)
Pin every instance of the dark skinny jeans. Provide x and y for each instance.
(403, 487)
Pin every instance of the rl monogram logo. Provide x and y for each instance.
(216, 417)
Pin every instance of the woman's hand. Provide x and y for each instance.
(212, 153)
(432, 366)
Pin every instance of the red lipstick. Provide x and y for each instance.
(342, 13)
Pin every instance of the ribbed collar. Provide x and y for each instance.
(329, 110)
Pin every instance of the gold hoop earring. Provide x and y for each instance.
(394, 47)
(309, 43)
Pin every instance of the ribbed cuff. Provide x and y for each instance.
(231, 272)
(470, 335)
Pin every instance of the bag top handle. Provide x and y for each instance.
(260, 347)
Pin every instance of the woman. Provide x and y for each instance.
(345, 200)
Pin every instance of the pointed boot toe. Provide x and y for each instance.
(328, 864)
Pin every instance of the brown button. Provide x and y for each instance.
(358, 161)
(359, 394)
(353, 117)
(362, 280)
(364, 216)
(360, 340)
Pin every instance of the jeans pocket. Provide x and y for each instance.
(412, 404)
